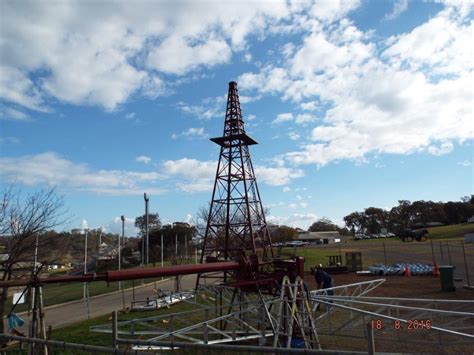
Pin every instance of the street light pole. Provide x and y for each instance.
(146, 229)
(122, 217)
(85, 261)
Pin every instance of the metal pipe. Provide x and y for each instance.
(174, 270)
(224, 348)
(130, 274)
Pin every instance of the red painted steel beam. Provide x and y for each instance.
(130, 274)
(133, 274)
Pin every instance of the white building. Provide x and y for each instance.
(329, 237)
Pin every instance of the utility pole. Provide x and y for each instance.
(85, 261)
(176, 246)
(147, 259)
(122, 217)
(161, 249)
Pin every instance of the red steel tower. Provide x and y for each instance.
(236, 222)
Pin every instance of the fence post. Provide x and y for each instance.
(384, 254)
(370, 339)
(432, 252)
(441, 252)
(114, 330)
(449, 253)
(465, 264)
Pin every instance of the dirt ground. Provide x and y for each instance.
(400, 286)
(427, 287)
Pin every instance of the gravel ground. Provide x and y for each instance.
(399, 286)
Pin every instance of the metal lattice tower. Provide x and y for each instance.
(236, 221)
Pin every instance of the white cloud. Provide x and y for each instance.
(443, 149)
(163, 58)
(190, 133)
(9, 113)
(52, 169)
(277, 176)
(298, 119)
(9, 140)
(286, 189)
(413, 97)
(465, 163)
(300, 220)
(203, 112)
(143, 159)
(197, 175)
(283, 117)
(101, 54)
(451, 53)
(17, 88)
(115, 226)
(399, 7)
(130, 115)
(293, 136)
(251, 117)
(309, 106)
(331, 10)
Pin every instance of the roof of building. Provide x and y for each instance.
(305, 235)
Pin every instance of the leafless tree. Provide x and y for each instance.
(22, 220)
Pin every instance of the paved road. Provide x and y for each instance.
(60, 315)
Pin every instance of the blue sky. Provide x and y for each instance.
(353, 103)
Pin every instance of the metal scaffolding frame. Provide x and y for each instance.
(225, 314)
(450, 321)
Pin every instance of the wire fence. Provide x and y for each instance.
(456, 253)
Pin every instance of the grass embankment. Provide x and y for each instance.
(450, 232)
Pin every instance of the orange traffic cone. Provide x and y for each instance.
(436, 270)
(407, 271)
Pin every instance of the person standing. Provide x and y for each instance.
(323, 279)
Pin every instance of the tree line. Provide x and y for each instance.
(410, 215)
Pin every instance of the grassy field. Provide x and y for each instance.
(450, 232)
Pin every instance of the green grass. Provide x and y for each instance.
(450, 232)
(81, 333)
(317, 255)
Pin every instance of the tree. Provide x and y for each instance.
(322, 225)
(402, 216)
(154, 222)
(375, 219)
(281, 234)
(356, 221)
(180, 231)
(22, 222)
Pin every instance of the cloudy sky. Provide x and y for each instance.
(354, 103)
